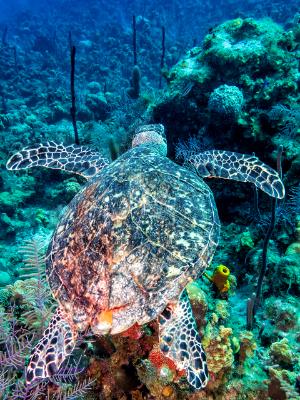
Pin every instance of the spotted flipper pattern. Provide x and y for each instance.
(239, 167)
(56, 344)
(72, 158)
(180, 341)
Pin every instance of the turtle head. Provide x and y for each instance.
(153, 134)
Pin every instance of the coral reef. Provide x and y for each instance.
(238, 90)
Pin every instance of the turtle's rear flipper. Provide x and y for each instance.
(72, 158)
(47, 356)
(239, 167)
(180, 341)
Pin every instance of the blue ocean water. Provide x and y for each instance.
(149, 199)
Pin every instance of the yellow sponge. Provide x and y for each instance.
(220, 278)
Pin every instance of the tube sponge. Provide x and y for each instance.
(220, 278)
(134, 90)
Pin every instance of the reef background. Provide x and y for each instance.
(229, 80)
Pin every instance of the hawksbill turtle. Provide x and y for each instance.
(130, 241)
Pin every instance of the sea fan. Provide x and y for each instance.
(68, 372)
(289, 120)
(286, 211)
(34, 259)
(25, 392)
(77, 391)
(5, 382)
(294, 201)
(38, 291)
(15, 351)
(15, 345)
(193, 145)
(15, 342)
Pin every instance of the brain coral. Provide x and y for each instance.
(226, 101)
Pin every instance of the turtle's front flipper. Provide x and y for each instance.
(72, 158)
(239, 167)
(180, 341)
(56, 344)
